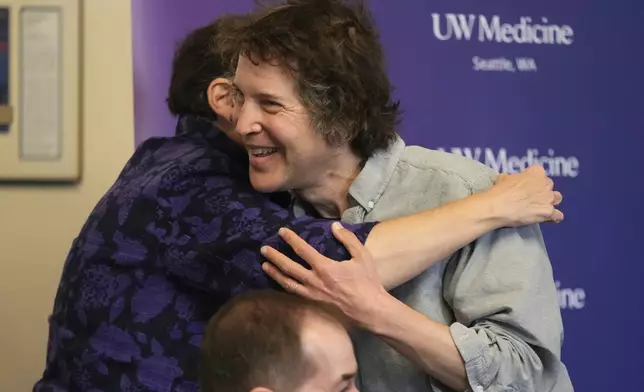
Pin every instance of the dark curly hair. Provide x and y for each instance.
(332, 49)
(201, 57)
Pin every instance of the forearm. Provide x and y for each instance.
(404, 247)
(508, 326)
(421, 340)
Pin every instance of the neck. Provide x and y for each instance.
(330, 197)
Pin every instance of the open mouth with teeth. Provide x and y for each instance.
(262, 152)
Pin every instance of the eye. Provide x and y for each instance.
(271, 106)
(349, 386)
(270, 103)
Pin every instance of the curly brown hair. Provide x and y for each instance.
(332, 49)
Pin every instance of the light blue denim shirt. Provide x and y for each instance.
(497, 294)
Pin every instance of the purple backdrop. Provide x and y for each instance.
(471, 85)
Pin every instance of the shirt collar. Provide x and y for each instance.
(373, 179)
(187, 124)
(199, 127)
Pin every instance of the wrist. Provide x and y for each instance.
(488, 207)
(370, 310)
(378, 312)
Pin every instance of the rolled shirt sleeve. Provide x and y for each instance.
(509, 329)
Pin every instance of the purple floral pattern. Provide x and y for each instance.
(176, 236)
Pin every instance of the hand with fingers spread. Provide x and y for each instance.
(353, 286)
(526, 198)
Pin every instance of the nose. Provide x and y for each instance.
(248, 120)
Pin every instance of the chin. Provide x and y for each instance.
(265, 185)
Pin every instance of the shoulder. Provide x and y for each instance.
(424, 178)
(156, 151)
(446, 169)
(184, 155)
(165, 166)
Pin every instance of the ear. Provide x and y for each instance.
(261, 389)
(219, 97)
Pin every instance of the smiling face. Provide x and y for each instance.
(285, 150)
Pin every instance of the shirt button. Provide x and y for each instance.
(370, 204)
(479, 388)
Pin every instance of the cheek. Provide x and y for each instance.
(306, 154)
(301, 144)
(288, 134)
(310, 142)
